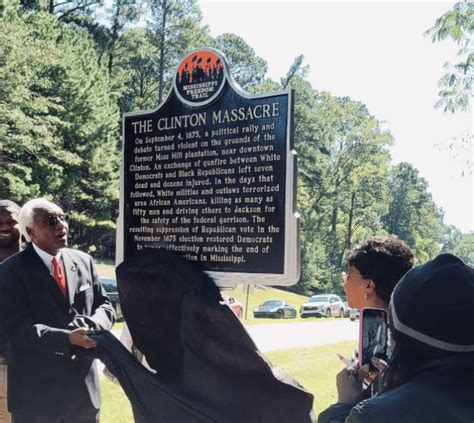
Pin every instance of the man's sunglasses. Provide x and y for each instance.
(53, 220)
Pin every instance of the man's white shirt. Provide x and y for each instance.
(47, 258)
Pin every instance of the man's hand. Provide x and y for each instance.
(350, 385)
(79, 337)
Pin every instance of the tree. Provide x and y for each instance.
(413, 215)
(342, 189)
(28, 117)
(457, 84)
(135, 71)
(345, 171)
(176, 28)
(122, 12)
(58, 123)
(452, 235)
(246, 67)
(296, 69)
(62, 9)
(463, 248)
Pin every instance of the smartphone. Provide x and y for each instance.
(373, 334)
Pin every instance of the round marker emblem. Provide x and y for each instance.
(200, 77)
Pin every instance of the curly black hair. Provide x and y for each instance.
(384, 260)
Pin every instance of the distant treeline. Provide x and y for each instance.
(68, 70)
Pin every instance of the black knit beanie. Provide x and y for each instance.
(434, 304)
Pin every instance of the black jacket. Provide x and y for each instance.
(441, 391)
(45, 375)
(3, 340)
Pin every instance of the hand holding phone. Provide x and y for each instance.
(372, 335)
(348, 364)
(349, 385)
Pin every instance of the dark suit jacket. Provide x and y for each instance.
(45, 374)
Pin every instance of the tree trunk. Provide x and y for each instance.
(348, 242)
(115, 32)
(351, 220)
(335, 212)
(162, 51)
(334, 220)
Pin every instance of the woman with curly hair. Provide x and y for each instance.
(374, 268)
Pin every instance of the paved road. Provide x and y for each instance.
(279, 336)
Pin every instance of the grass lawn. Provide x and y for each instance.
(258, 295)
(115, 405)
(105, 268)
(314, 368)
(118, 326)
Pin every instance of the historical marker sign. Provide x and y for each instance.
(210, 174)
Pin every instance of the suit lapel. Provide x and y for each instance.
(39, 272)
(70, 268)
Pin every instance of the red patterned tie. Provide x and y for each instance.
(59, 275)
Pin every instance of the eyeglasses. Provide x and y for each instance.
(54, 219)
(345, 276)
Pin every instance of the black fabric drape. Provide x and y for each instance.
(152, 400)
(208, 369)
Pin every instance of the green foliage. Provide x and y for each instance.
(66, 10)
(246, 67)
(142, 60)
(461, 245)
(176, 29)
(136, 70)
(296, 69)
(58, 122)
(65, 75)
(412, 214)
(110, 40)
(456, 85)
(342, 180)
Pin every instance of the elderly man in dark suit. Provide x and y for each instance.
(50, 300)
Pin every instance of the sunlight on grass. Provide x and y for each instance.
(105, 268)
(314, 368)
(118, 326)
(115, 405)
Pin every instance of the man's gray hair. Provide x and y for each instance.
(29, 211)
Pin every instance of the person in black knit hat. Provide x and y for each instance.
(430, 377)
